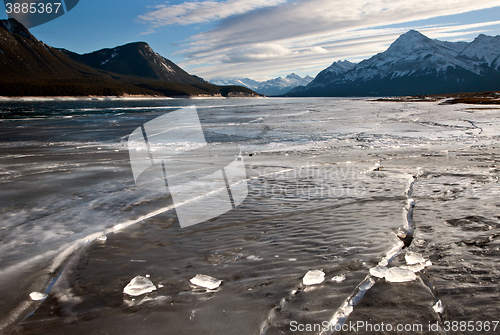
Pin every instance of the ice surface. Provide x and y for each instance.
(413, 258)
(399, 275)
(139, 285)
(313, 277)
(37, 296)
(414, 131)
(205, 281)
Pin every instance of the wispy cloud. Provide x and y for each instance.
(301, 34)
(203, 11)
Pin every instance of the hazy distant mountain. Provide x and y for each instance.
(414, 64)
(30, 67)
(136, 59)
(277, 86)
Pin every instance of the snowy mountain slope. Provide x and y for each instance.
(414, 64)
(276, 86)
(332, 72)
(484, 49)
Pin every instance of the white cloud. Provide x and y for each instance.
(306, 34)
(255, 53)
(203, 11)
(316, 50)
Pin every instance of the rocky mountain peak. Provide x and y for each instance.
(15, 27)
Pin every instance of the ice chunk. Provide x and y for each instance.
(411, 203)
(313, 277)
(417, 266)
(339, 278)
(413, 258)
(365, 286)
(398, 275)
(206, 281)
(414, 267)
(254, 258)
(102, 238)
(37, 296)
(139, 285)
(379, 271)
(438, 307)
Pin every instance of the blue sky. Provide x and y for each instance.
(263, 39)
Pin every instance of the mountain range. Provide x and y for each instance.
(413, 65)
(272, 87)
(30, 67)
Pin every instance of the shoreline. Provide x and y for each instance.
(116, 97)
(486, 98)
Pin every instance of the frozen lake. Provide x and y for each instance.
(331, 187)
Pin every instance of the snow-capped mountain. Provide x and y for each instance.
(280, 85)
(333, 72)
(414, 64)
(277, 86)
(484, 49)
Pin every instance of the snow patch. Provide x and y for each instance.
(113, 55)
